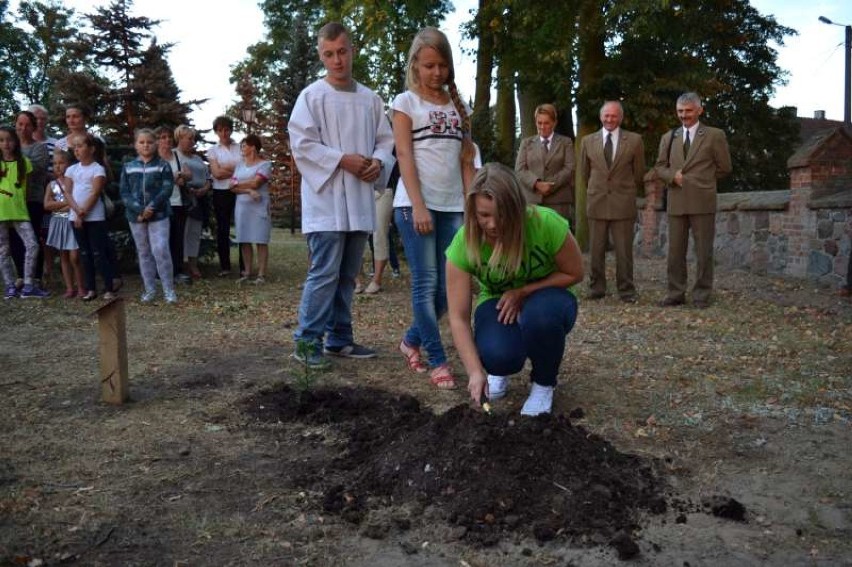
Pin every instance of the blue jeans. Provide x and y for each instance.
(546, 318)
(326, 306)
(426, 260)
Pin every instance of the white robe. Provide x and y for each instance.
(325, 124)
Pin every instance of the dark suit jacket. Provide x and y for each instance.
(611, 191)
(557, 165)
(708, 160)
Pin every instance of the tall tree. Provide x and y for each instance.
(591, 70)
(12, 42)
(722, 50)
(116, 44)
(381, 32)
(483, 27)
(541, 51)
(47, 49)
(645, 54)
(155, 92)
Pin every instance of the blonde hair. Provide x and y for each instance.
(435, 38)
(547, 110)
(498, 183)
(184, 130)
(65, 155)
(144, 132)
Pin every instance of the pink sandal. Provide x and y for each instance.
(412, 356)
(442, 378)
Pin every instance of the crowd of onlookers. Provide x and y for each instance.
(55, 202)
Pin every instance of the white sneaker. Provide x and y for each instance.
(171, 296)
(497, 386)
(540, 400)
(148, 296)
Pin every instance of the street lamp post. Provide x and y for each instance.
(248, 110)
(847, 101)
(249, 116)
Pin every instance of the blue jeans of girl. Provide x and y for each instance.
(427, 263)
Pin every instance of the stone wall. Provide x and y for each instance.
(805, 231)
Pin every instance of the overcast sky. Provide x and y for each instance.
(209, 40)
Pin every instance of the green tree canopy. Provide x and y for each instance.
(286, 60)
(722, 50)
(12, 42)
(46, 30)
(121, 72)
(155, 92)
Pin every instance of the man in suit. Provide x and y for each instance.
(612, 164)
(691, 158)
(545, 165)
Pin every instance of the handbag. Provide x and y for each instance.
(185, 195)
(195, 209)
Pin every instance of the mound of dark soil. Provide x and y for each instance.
(540, 476)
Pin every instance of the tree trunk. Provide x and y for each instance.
(483, 133)
(505, 145)
(592, 59)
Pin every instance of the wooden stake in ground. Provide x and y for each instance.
(112, 340)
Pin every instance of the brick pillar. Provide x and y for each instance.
(795, 221)
(650, 216)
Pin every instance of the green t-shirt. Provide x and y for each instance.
(545, 233)
(13, 200)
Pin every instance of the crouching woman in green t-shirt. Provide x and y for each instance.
(525, 261)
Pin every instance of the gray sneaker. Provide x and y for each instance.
(148, 296)
(315, 360)
(350, 351)
(171, 296)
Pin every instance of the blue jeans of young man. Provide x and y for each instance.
(427, 262)
(546, 318)
(326, 306)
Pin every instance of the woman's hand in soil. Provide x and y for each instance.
(476, 386)
(509, 306)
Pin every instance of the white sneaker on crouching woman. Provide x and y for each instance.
(497, 386)
(540, 400)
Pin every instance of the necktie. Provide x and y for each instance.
(546, 144)
(686, 145)
(608, 149)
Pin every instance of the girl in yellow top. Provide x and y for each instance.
(14, 171)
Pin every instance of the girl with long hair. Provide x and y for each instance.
(525, 261)
(431, 127)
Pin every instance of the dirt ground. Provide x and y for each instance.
(663, 416)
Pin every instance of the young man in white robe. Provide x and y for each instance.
(343, 146)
